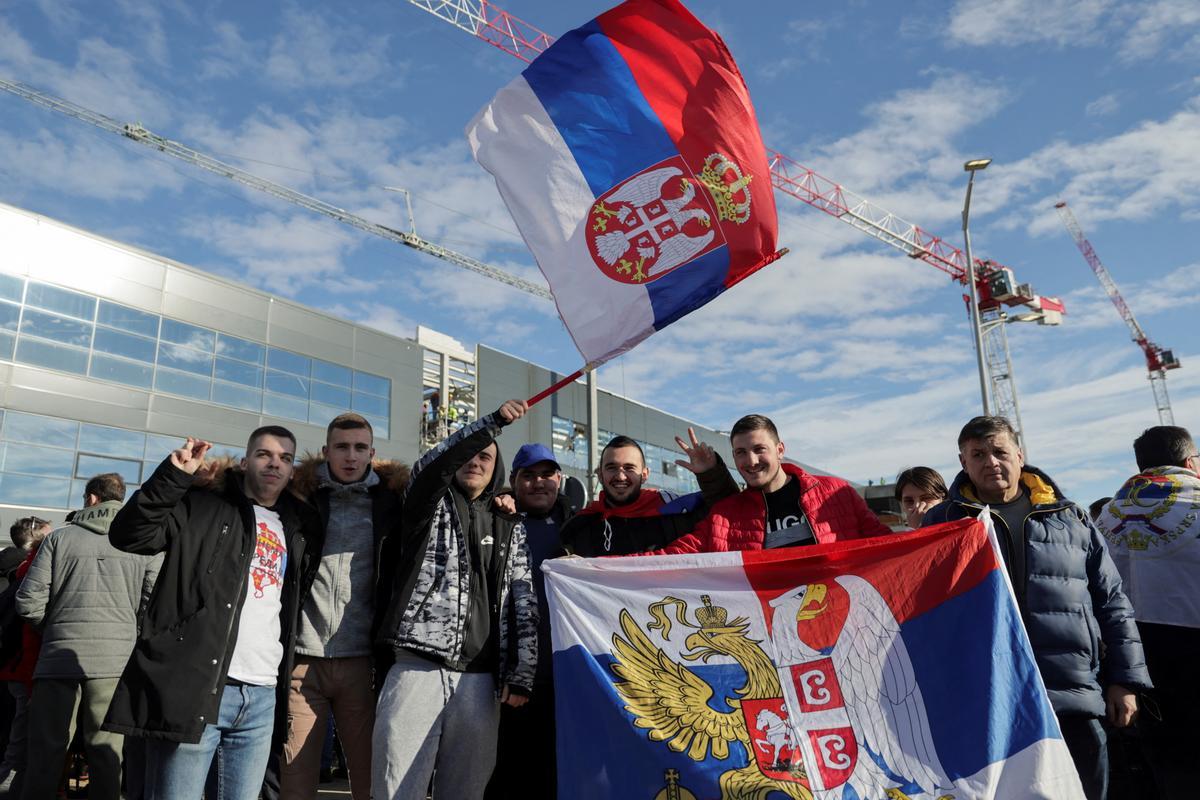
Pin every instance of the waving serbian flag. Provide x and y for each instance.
(629, 156)
(878, 669)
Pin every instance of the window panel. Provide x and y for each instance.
(88, 467)
(27, 490)
(379, 425)
(128, 319)
(332, 373)
(7, 340)
(22, 427)
(283, 383)
(158, 447)
(370, 404)
(106, 441)
(118, 370)
(124, 344)
(319, 414)
(63, 301)
(9, 315)
(52, 356)
(230, 394)
(366, 382)
(12, 288)
(56, 328)
(181, 383)
(185, 358)
(278, 405)
(288, 362)
(330, 395)
(240, 349)
(237, 372)
(190, 335)
(34, 460)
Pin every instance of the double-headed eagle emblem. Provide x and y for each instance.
(830, 702)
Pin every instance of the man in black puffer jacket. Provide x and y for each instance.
(1067, 589)
(462, 621)
(211, 664)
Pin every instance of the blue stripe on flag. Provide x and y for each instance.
(602, 755)
(978, 679)
(589, 93)
(688, 287)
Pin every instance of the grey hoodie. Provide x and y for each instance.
(85, 595)
(337, 615)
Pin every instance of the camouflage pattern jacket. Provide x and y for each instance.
(431, 597)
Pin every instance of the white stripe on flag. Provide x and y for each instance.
(514, 139)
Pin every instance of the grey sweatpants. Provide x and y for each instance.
(433, 723)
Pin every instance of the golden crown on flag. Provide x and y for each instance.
(731, 196)
(711, 616)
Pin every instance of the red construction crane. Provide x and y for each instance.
(1158, 360)
(997, 287)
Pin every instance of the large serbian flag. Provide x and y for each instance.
(878, 669)
(629, 156)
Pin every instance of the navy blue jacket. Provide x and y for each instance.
(1072, 598)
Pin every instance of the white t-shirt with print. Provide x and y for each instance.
(259, 651)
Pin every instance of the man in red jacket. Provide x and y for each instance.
(781, 506)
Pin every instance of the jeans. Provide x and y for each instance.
(242, 732)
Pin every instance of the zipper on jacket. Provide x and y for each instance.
(244, 586)
(212, 562)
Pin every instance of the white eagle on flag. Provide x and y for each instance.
(878, 688)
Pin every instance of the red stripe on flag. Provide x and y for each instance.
(913, 572)
(694, 87)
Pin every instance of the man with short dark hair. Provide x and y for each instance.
(84, 595)
(1066, 587)
(1152, 525)
(782, 505)
(359, 504)
(630, 518)
(462, 622)
(217, 637)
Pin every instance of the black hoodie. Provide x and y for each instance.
(481, 638)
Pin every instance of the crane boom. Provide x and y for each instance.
(182, 152)
(1158, 360)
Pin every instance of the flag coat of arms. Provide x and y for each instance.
(879, 669)
(630, 158)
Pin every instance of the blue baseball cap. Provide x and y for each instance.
(531, 454)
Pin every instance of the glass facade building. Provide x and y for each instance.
(110, 356)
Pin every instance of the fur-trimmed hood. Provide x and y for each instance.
(392, 474)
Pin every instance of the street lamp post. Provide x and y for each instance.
(977, 328)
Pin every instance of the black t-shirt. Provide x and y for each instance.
(481, 638)
(786, 524)
(1012, 531)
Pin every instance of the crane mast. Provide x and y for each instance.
(182, 152)
(1158, 360)
(995, 283)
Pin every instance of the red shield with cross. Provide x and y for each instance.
(776, 748)
(652, 223)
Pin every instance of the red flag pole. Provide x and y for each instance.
(544, 393)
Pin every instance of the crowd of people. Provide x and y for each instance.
(201, 634)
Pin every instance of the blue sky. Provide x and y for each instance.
(861, 355)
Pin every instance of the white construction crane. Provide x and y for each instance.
(182, 152)
(1158, 360)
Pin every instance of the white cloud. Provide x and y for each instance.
(1136, 29)
(1013, 22)
(1103, 105)
(314, 50)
